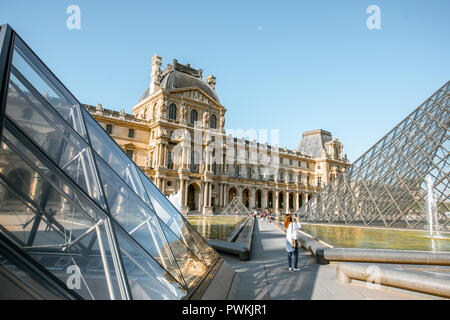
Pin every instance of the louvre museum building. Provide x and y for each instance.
(177, 136)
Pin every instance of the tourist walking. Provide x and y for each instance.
(292, 244)
(263, 216)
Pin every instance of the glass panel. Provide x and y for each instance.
(146, 278)
(43, 126)
(114, 156)
(39, 290)
(136, 218)
(47, 85)
(191, 267)
(169, 215)
(53, 227)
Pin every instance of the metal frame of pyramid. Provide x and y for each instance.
(236, 205)
(71, 199)
(387, 185)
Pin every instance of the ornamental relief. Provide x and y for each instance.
(193, 94)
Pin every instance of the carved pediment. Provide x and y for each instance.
(194, 95)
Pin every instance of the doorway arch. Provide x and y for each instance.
(246, 197)
(280, 200)
(232, 193)
(270, 200)
(193, 197)
(258, 199)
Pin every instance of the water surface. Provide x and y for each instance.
(215, 227)
(377, 238)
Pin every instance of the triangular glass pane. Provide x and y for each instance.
(52, 134)
(190, 266)
(46, 84)
(169, 215)
(136, 218)
(146, 278)
(114, 156)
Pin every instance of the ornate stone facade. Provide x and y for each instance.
(176, 135)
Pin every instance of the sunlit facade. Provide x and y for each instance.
(177, 136)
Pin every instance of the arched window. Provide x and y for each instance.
(173, 112)
(213, 122)
(194, 116)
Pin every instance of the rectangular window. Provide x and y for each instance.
(131, 133)
(170, 161)
(109, 128)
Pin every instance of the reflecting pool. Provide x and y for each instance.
(377, 238)
(216, 227)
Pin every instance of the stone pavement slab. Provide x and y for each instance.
(266, 277)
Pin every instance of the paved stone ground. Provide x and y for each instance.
(266, 275)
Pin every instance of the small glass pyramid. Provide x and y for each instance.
(390, 184)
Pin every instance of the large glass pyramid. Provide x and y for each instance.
(73, 206)
(394, 182)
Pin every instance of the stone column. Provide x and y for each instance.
(157, 156)
(166, 156)
(225, 195)
(205, 197)
(186, 188)
(277, 193)
(221, 201)
(202, 197)
(183, 194)
(251, 200)
(287, 203)
(264, 203)
(210, 195)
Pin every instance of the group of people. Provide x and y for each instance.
(265, 216)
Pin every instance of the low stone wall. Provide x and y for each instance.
(242, 241)
(414, 281)
(325, 253)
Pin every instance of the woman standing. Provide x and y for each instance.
(291, 235)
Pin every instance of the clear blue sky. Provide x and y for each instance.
(288, 65)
